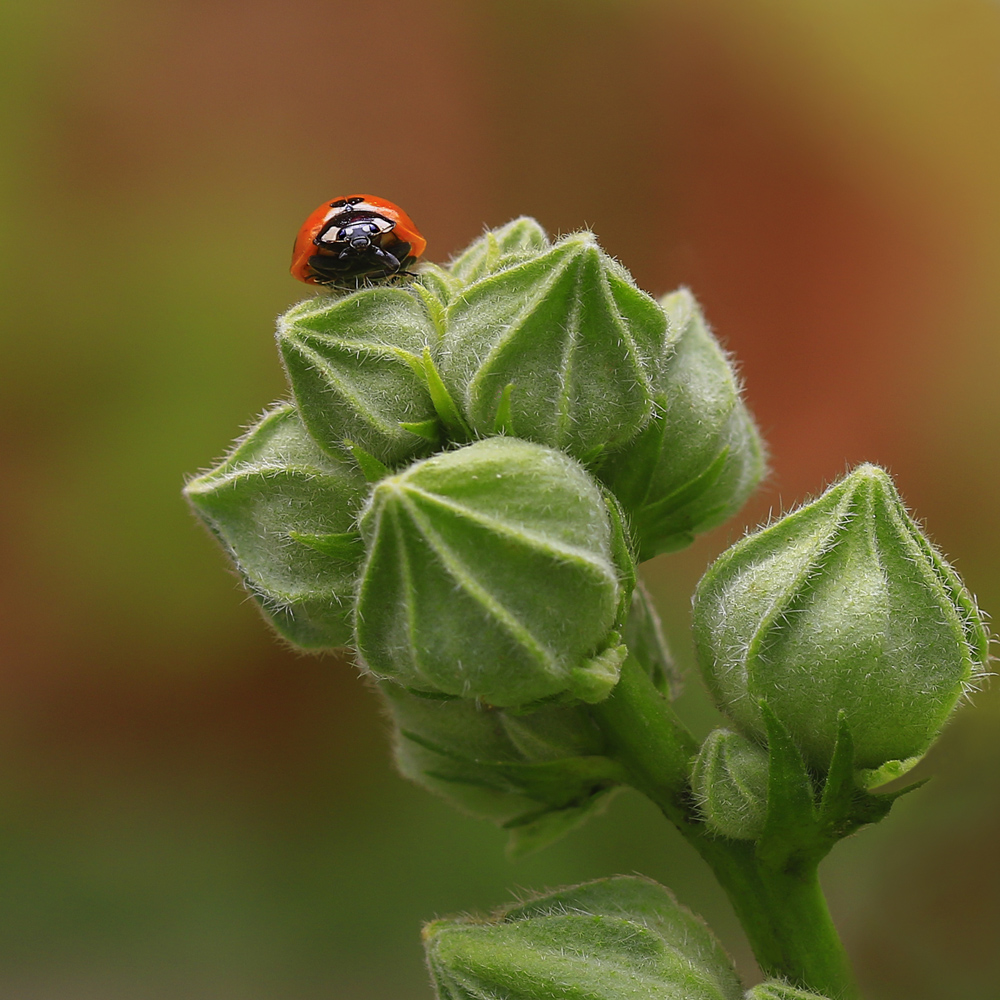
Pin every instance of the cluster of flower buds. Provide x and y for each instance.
(841, 612)
(614, 939)
(469, 469)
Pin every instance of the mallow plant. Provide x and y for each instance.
(468, 470)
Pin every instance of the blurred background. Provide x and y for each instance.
(190, 810)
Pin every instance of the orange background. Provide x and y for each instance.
(187, 809)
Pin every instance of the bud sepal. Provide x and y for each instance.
(643, 635)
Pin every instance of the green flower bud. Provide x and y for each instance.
(841, 605)
(499, 248)
(617, 939)
(729, 780)
(491, 574)
(561, 349)
(356, 369)
(775, 989)
(286, 512)
(700, 457)
(538, 774)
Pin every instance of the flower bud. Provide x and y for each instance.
(491, 574)
(729, 780)
(842, 605)
(355, 365)
(537, 774)
(700, 457)
(561, 349)
(616, 939)
(775, 989)
(499, 248)
(286, 513)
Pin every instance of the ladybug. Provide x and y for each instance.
(356, 237)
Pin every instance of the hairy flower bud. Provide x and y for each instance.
(700, 457)
(561, 349)
(620, 938)
(538, 774)
(356, 369)
(286, 511)
(842, 605)
(491, 574)
(729, 780)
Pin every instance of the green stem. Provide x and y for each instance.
(785, 917)
(783, 912)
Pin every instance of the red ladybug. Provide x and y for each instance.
(355, 237)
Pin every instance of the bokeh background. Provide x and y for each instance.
(190, 810)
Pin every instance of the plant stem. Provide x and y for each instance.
(783, 911)
(785, 917)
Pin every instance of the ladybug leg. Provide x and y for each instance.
(391, 262)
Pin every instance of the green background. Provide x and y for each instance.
(190, 810)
